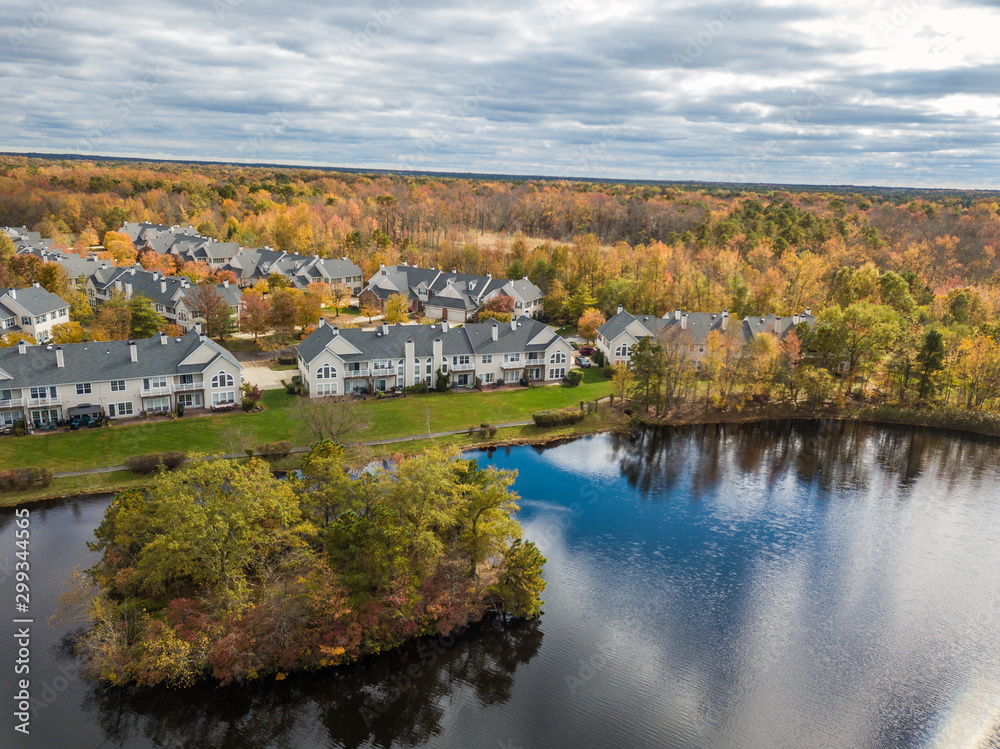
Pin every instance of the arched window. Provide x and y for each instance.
(557, 358)
(326, 372)
(623, 351)
(222, 380)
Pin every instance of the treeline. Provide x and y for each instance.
(868, 351)
(221, 570)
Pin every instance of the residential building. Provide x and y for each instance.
(338, 362)
(251, 266)
(170, 295)
(123, 378)
(453, 296)
(33, 311)
(184, 242)
(618, 336)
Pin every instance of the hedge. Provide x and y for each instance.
(575, 377)
(153, 462)
(274, 449)
(22, 479)
(557, 418)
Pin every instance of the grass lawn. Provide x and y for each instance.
(220, 433)
(566, 330)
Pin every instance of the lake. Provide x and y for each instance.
(787, 584)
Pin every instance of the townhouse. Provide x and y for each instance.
(121, 378)
(453, 296)
(338, 362)
(618, 336)
(32, 311)
(251, 266)
(172, 296)
(184, 242)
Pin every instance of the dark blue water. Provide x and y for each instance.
(779, 585)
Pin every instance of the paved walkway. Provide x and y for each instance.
(261, 375)
(369, 443)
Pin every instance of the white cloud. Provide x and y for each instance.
(732, 89)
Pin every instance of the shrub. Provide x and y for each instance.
(493, 431)
(575, 377)
(274, 449)
(144, 464)
(418, 388)
(287, 360)
(598, 358)
(22, 479)
(173, 459)
(472, 431)
(608, 372)
(566, 417)
(484, 425)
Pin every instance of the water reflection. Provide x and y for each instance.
(833, 455)
(399, 699)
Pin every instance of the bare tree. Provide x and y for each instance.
(330, 418)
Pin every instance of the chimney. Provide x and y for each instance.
(677, 313)
(454, 270)
(60, 361)
(620, 309)
(225, 284)
(496, 332)
(163, 287)
(13, 293)
(489, 275)
(777, 325)
(513, 323)
(684, 321)
(163, 338)
(525, 278)
(128, 289)
(22, 347)
(343, 257)
(437, 348)
(725, 320)
(795, 319)
(197, 326)
(444, 326)
(322, 322)
(809, 311)
(336, 331)
(36, 285)
(385, 328)
(133, 351)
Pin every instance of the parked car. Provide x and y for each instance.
(583, 361)
(587, 350)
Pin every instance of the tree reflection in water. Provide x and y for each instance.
(827, 453)
(397, 699)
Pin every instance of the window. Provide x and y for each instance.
(511, 376)
(557, 358)
(43, 393)
(152, 383)
(511, 358)
(63, 313)
(185, 379)
(224, 398)
(25, 321)
(326, 389)
(190, 400)
(117, 410)
(557, 373)
(456, 360)
(487, 358)
(623, 351)
(10, 322)
(41, 318)
(118, 386)
(487, 378)
(444, 366)
(222, 380)
(83, 388)
(399, 368)
(326, 372)
(7, 418)
(157, 405)
(430, 366)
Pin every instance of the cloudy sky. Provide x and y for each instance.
(898, 92)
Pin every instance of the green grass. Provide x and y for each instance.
(283, 367)
(217, 433)
(566, 330)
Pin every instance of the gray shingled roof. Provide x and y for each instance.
(36, 300)
(104, 361)
(700, 324)
(474, 338)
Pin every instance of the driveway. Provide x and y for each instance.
(259, 374)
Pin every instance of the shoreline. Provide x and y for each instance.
(414, 444)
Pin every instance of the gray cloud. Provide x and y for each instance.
(673, 89)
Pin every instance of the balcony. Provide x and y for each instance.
(43, 402)
(187, 387)
(152, 392)
(358, 373)
(512, 365)
(12, 403)
(470, 367)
